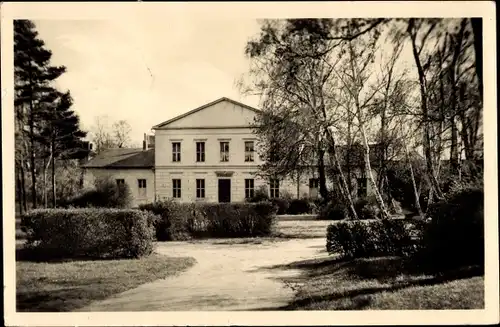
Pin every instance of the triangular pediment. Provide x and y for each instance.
(222, 113)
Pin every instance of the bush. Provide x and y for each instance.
(281, 204)
(362, 239)
(106, 194)
(88, 233)
(367, 208)
(334, 210)
(186, 220)
(455, 235)
(172, 222)
(260, 195)
(300, 206)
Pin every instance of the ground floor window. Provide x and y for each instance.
(313, 187)
(200, 188)
(274, 188)
(176, 188)
(249, 188)
(362, 187)
(142, 187)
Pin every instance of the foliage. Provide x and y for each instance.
(184, 220)
(260, 195)
(106, 194)
(281, 204)
(300, 206)
(333, 210)
(367, 208)
(88, 233)
(455, 235)
(371, 238)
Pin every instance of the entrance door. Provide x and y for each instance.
(224, 190)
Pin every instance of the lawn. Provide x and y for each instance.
(65, 286)
(381, 284)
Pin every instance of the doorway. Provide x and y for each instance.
(224, 190)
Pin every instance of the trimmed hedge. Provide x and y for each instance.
(88, 233)
(370, 238)
(198, 220)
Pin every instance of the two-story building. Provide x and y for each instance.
(207, 154)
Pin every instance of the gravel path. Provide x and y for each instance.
(226, 277)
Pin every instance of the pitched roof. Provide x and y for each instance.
(203, 107)
(123, 158)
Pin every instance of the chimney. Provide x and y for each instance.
(145, 143)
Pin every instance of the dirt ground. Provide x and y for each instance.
(229, 274)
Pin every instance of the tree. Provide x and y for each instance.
(105, 136)
(33, 75)
(121, 132)
(62, 134)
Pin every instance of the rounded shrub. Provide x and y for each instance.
(455, 234)
(300, 206)
(333, 210)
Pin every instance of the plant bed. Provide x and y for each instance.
(66, 286)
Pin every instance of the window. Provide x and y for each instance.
(224, 151)
(249, 189)
(274, 188)
(176, 188)
(176, 151)
(313, 187)
(249, 151)
(200, 188)
(200, 151)
(362, 187)
(120, 181)
(141, 183)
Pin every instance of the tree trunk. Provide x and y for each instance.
(344, 190)
(32, 165)
(19, 191)
(477, 28)
(53, 176)
(298, 184)
(378, 196)
(425, 117)
(416, 192)
(45, 182)
(323, 190)
(23, 186)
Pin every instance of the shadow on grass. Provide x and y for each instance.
(374, 275)
(31, 255)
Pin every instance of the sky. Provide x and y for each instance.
(147, 71)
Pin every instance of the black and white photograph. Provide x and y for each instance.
(307, 161)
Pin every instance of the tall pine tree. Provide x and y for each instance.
(61, 134)
(40, 107)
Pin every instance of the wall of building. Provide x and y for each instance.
(130, 176)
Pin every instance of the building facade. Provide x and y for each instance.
(207, 154)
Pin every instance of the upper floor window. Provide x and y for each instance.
(200, 151)
(249, 151)
(141, 183)
(274, 188)
(224, 151)
(120, 181)
(176, 151)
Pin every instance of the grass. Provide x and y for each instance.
(386, 283)
(65, 286)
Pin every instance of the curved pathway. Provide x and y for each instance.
(226, 277)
